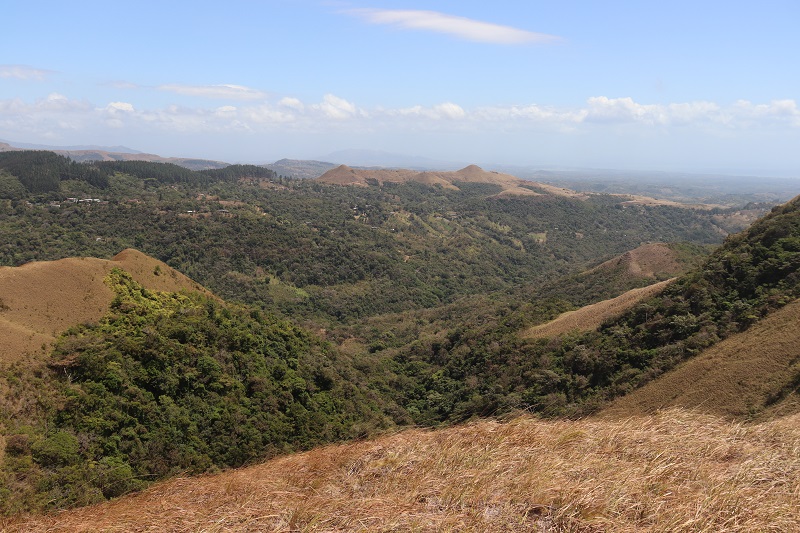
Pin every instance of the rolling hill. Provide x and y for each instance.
(509, 185)
(591, 316)
(154, 384)
(39, 300)
(81, 154)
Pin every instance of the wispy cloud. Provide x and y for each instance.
(218, 92)
(461, 27)
(23, 72)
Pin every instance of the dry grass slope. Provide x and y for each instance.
(511, 185)
(675, 471)
(40, 300)
(649, 261)
(592, 316)
(743, 376)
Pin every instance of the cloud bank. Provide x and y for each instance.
(334, 112)
(603, 131)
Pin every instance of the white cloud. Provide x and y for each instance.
(291, 103)
(266, 115)
(446, 110)
(23, 72)
(775, 111)
(450, 110)
(604, 109)
(462, 27)
(336, 108)
(124, 107)
(219, 92)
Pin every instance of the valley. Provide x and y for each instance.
(561, 342)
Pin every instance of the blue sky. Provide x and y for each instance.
(698, 86)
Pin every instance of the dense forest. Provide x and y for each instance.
(354, 309)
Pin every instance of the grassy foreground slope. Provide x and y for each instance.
(676, 471)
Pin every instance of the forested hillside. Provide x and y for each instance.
(168, 383)
(483, 368)
(326, 252)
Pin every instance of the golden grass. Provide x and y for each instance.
(674, 471)
(739, 377)
(592, 316)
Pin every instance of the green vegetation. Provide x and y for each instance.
(481, 368)
(355, 252)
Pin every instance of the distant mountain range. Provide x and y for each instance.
(114, 153)
(29, 146)
(378, 158)
(681, 187)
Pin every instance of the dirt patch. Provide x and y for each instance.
(592, 316)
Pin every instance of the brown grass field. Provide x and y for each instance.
(40, 300)
(675, 471)
(592, 316)
(744, 376)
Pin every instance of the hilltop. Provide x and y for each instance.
(508, 184)
(41, 299)
(160, 383)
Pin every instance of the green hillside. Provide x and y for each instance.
(330, 254)
(482, 366)
(168, 383)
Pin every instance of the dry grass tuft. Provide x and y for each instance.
(673, 471)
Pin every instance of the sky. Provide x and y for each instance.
(700, 86)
